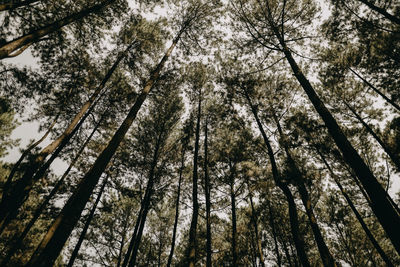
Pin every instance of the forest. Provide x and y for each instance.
(200, 133)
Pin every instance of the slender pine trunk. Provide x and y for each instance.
(53, 242)
(86, 226)
(381, 11)
(293, 216)
(178, 195)
(207, 190)
(192, 248)
(395, 158)
(17, 46)
(12, 4)
(233, 218)
(18, 239)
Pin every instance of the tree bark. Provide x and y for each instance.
(192, 248)
(178, 195)
(86, 226)
(20, 191)
(207, 190)
(54, 240)
(233, 218)
(293, 216)
(382, 208)
(39, 210)
(395, 159)
(19, 44)
(381, 11)
(14, 4)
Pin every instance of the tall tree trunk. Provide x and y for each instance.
(146, 200)
(86, 226)
(20, 191)
(178, 195)
(12, 4)
(381, 206)
(207, 190)
(369, 234)
(381, 11)
(323, 249)
(192, 248)
(18, 239)
(274, 235)
(293, 216)
(19, 44)
(54, 240)
(233, 213)
(395, 158)
(376, 90)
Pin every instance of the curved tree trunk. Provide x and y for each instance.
(18, 45)
(53, 242)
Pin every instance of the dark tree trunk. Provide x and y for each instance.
(381, 206)
(178, 195)
(19, 44)
(395, 159)
(18, 239)
(19, 193)
(369, 234)
(192, 248)
(207, 190)
(54, 240)
(293, 216)
(376, 90)
(16, 4)
(233, 213)
(86, 226)
(324, 252)
(381, 11)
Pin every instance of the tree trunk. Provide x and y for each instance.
(192, 248)
(233, 213)
(207, 190)
(369, 234)
(54, 240)
(381, 11)
(274, 234)
(395, 159)
(376, 90)
(293, 216)
(19, 44)
(381, 206)
(323, 249)
(14, 4)
(20, 191)
(39, 210)
(87, 224)
(178, 195)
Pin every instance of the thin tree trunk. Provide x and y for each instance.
(19, 44)
(376, 90)
(381, 206)
(369, 234)
(233, 213)
(39, 210)
(86, 226)
(381, 11)
(323, 249)
(123, 240)
(14, 4)
(54, 240)
(274, 234)
(207, 190)
(293, 216)
(178, 195)
(395, 159)
(20, 191)
(192, 248)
